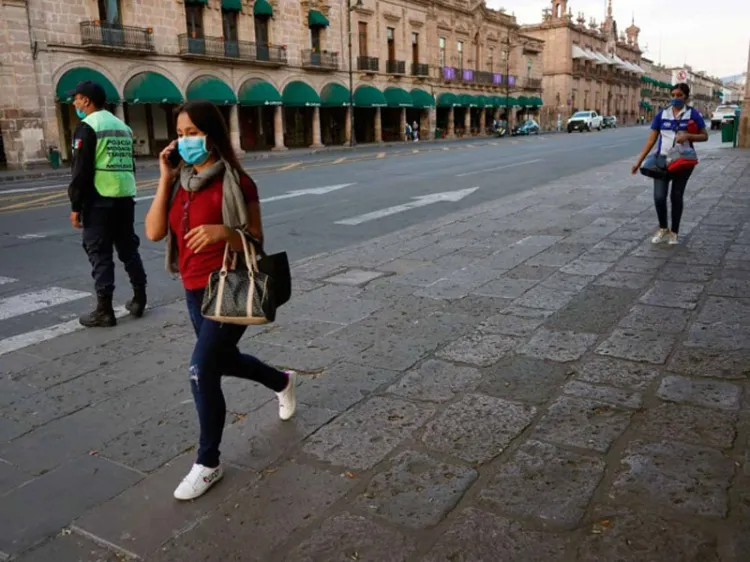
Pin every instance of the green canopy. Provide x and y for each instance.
(150, 87)
(467, 100)
(369, 96)
(448, 100)
(196, 1)
(422, 100)
(299, 94)
(483, 101)
(334, 95)
(262, 9)
(536, 101)
(316, 19)
(513, 102)
(212, 89)
(231, 5)
(523, 101)
(72, 77)
(498, 101)
(256, 92)
(397, 97)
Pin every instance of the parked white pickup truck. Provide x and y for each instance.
(585, 121)
(721, 114)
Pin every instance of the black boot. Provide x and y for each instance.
(137, 304)
(102, 317)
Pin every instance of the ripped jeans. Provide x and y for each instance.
(216, 355)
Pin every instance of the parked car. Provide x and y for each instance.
(530, 127)
(609, 122)
(585, 121)
(721, 115)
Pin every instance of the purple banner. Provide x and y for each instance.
(449, 73)
(497, 79)
(468, 75)
(511, 80)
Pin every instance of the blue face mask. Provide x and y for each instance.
(678, 102)
(193, 150)
(81, 113)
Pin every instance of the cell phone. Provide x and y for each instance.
(174, 158)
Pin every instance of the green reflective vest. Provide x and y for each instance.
(114, 163)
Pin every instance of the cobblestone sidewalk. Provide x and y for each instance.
(527, 381)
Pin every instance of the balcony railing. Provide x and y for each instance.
(395, 67)
(368, 64)
(484, 78)
(419, 69)
(450, 74)
(113, 37)
(535, 83)
(216, 48)
(320, 61)
(467, 75)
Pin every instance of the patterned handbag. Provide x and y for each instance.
(239, 294)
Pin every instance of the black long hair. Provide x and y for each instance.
(207, 117)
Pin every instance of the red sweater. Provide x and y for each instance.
(190, 210)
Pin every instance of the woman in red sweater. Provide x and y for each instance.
(199, 206)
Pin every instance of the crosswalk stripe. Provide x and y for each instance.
(21, 341)
(25, 303)
(6, 280)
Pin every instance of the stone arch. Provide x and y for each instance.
(265, 76)
(140, 68)
(78, 63)
(198, 72)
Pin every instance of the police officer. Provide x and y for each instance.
(102, 192)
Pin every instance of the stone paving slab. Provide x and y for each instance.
(526, 380)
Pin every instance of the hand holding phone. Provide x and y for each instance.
(169, 160)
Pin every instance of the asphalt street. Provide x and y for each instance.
(312, 203)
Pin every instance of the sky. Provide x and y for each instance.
(710, 36)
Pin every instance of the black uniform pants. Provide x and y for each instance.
(106, 227)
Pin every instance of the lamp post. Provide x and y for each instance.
(351, 70)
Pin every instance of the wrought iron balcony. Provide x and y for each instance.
(419, 69)
(368, 64)
(320, 61)
(395, 67)
(450, 74)
(108, 37)
(484, 78)
(216, 48)
(536, 83)
(467, 75)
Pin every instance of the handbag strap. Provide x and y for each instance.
(249, 250)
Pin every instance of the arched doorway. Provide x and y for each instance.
(258, 101)
(300, 104)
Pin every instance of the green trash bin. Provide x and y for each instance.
(727, 131)
(55, 158)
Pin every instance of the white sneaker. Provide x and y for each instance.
(198, 481)
(661, 235)
(673, 239)
(288, 397)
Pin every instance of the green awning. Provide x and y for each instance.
(536, 102)
(398, 97)
(262, 9)
(334, 95)
(72, 77)
(422, 100)
(316, 19)
(497, 101)
(523, 101)
(212, 89)
(513, 102)
(448, 100)
(231, 5)
(299, 94)
(255, 92)
(483, 101)
(467, 100)
(369, 96)
(196, 1)
(150, 87)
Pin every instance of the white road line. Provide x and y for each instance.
(32, 189)
(25, 303)
(14, 343)
(613, 145)
(34, 236)
(6, 280)
(497, 168)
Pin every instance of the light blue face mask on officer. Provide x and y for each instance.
(193, 149)
(81, 113)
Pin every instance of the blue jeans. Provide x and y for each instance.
(216, 355)
(661, 189)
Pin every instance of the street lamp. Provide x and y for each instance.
(507, 81)
(351, 70)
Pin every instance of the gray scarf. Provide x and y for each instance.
(233, 204)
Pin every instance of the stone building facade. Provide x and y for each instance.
(705, 90)
(588, 65)
(656, 91)
(279, 69)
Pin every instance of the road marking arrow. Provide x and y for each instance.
(311, 191)
(420, 201)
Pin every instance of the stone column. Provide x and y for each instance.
(234, 129)
(348, 125)
(402, 125)
(120, 112)
(467, 121)
(378, 126)
(451, 123)
(431, 117)
(278, 129)
(316, 143)
(482, 121)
